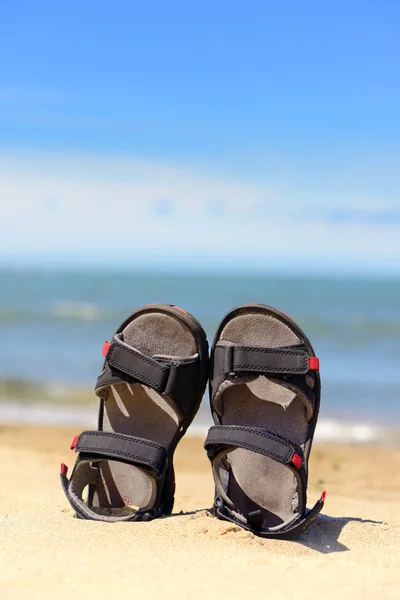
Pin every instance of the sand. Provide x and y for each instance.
(352, 551)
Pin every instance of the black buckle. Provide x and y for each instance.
(255, 520)
(171, 380)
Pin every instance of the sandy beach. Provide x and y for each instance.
(352, 551)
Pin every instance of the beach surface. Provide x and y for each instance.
(352, 551)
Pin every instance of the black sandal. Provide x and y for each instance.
(265, 394)
(153, 380)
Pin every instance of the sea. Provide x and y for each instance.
(53, 325)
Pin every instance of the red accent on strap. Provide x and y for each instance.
(313, 363)
(297, 461)
(106, 347)
(323, 496)
(63, 469)
(181, 309)
(73, 443)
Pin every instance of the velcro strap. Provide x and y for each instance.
(105, 444)
(292, 360)
(263, 441)
(131, 362)
(125, 364)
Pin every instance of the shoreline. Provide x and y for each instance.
(329, 430)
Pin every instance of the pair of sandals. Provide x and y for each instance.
(264, 395)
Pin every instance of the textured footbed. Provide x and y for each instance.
(257, 482)
(137, 410)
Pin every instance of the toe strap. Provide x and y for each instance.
(127, 448)
(94, 446)
(257, 439)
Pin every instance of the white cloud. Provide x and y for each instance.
(100, 208)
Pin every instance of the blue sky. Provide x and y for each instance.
(203, 125)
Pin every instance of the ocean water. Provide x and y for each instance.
(53, 324)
